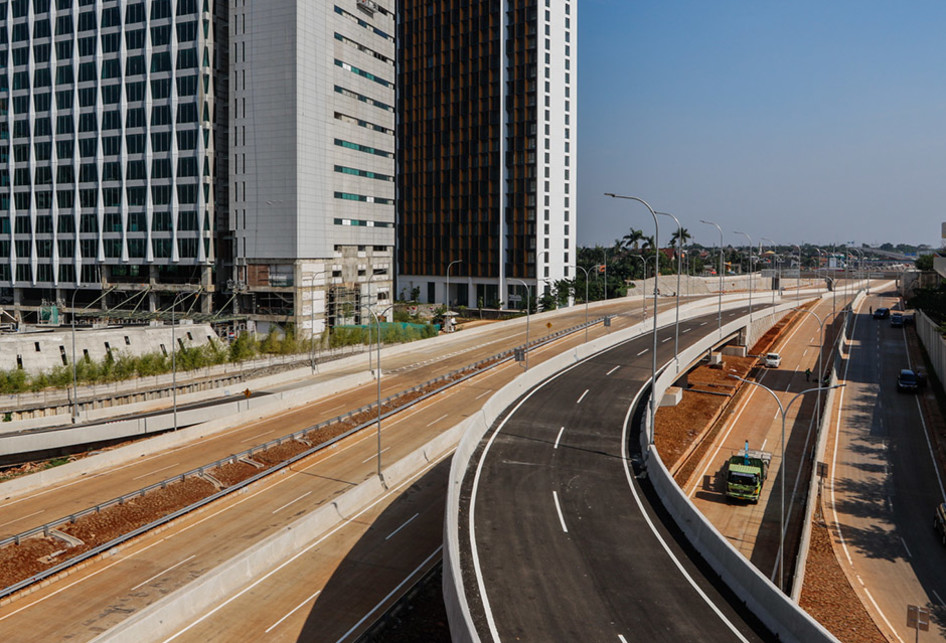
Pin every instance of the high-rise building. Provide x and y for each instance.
(312, 160)
(111, 125)
(486, 149)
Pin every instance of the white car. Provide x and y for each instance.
(773, 360)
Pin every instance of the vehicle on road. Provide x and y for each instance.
(939, 521)
(882, 313)
(746, 473)
(896, 320)
(907, 381)
(772, 360)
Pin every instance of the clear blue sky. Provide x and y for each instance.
(800, 121)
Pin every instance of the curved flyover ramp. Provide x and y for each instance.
(561, 536)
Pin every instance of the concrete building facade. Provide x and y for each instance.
(312, 160)
(487, 149)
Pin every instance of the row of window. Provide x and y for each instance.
(348, 196)
(111, 146)
(111, 120)
(110, 42)
(361, 23)
(364, 99)
(135, 13)
(111, 94)
(111, 68)
(111, 197)
(363, 73)
(111, 171)
(364, 223)
(365, 173)
(111, 222)
(364, 148)
(112, 248)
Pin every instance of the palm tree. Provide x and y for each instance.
(683, 234)
(633, 238)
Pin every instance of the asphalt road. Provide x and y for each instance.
(568, 544)
(884, 484)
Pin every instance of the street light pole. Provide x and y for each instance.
(749, 239)
(450, 265)
(774, 255)
(798, 281)
(782, 411)
(75, 383)
(653, 373)
(720, 269)
(587, 279)
(174, 360)
(528, 316)
(676, 332)
(377, 321)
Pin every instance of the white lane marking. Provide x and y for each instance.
(291, 612)
(582, 396)
(653, 529)
(909, 555)
(686, 330)
(642, 352)
(804, 352)
(429, 424)
(315, 544)
(560, 432)
(10, 522)
(703, 323)
(763, 444)
(292, 501)
(145, 475)
(163, 572)
(613, 369)
(374, 456)
(390, 594)
(558, 508)
(937, 596)
(621, 638)
(406, 523)
(486, 392)
(666, 339)
(257, 436)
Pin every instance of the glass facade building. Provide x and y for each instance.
(110, 131)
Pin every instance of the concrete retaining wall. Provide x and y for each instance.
(933, 342)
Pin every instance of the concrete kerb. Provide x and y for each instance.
(128, 453)
(776, 610)
(813, 484)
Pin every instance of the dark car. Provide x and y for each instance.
(896, 320)
(939, 521)
(907, 381)
(882, 313)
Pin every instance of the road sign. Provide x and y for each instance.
(515, 299)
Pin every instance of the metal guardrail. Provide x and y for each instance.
(490, 362)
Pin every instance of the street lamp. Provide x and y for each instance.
(75, 384)
(173, 359)
(587, 279)
(644, 284)
(450, 265)
(720, 269)
(528, 316)
(798, 280)
(653, 373)
(676, 333)
(312, 360)
(377, 321)
(782, 411)
(749, 239)
(774, 272)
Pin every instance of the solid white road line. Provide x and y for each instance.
(642, 352)
(296, 500)
(406, 523)
(686, 330)
(558, 508)
(145, 475)
(163, 572)
(257, 436)
(291, 612)
(560, 432)
(666, 339)
(621, 638)
(937, 596)
(909, 555)
(582, 396)
(613, 369)
(486, 392)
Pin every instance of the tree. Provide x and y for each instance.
(632, 239)
(683, 234)
(924, 262)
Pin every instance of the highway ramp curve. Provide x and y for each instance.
(570, 540)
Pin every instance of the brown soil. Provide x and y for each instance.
(828, 596)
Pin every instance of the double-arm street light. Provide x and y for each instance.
(528, 314)
(653, 380)
(782, 411)
(720, 269)
(749, 239)
(676, 332)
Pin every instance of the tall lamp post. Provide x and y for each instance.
(749, 239)
(643, 289)
(587, 279)
(782, 411)
(377, 322)
(798, 280)
(528, 316)
(173, 358)
(720, 269)
(774, 279)
(75, 381)
(450, 265)
(676, 332)
(653, 372)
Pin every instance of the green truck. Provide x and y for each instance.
(746, 473)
